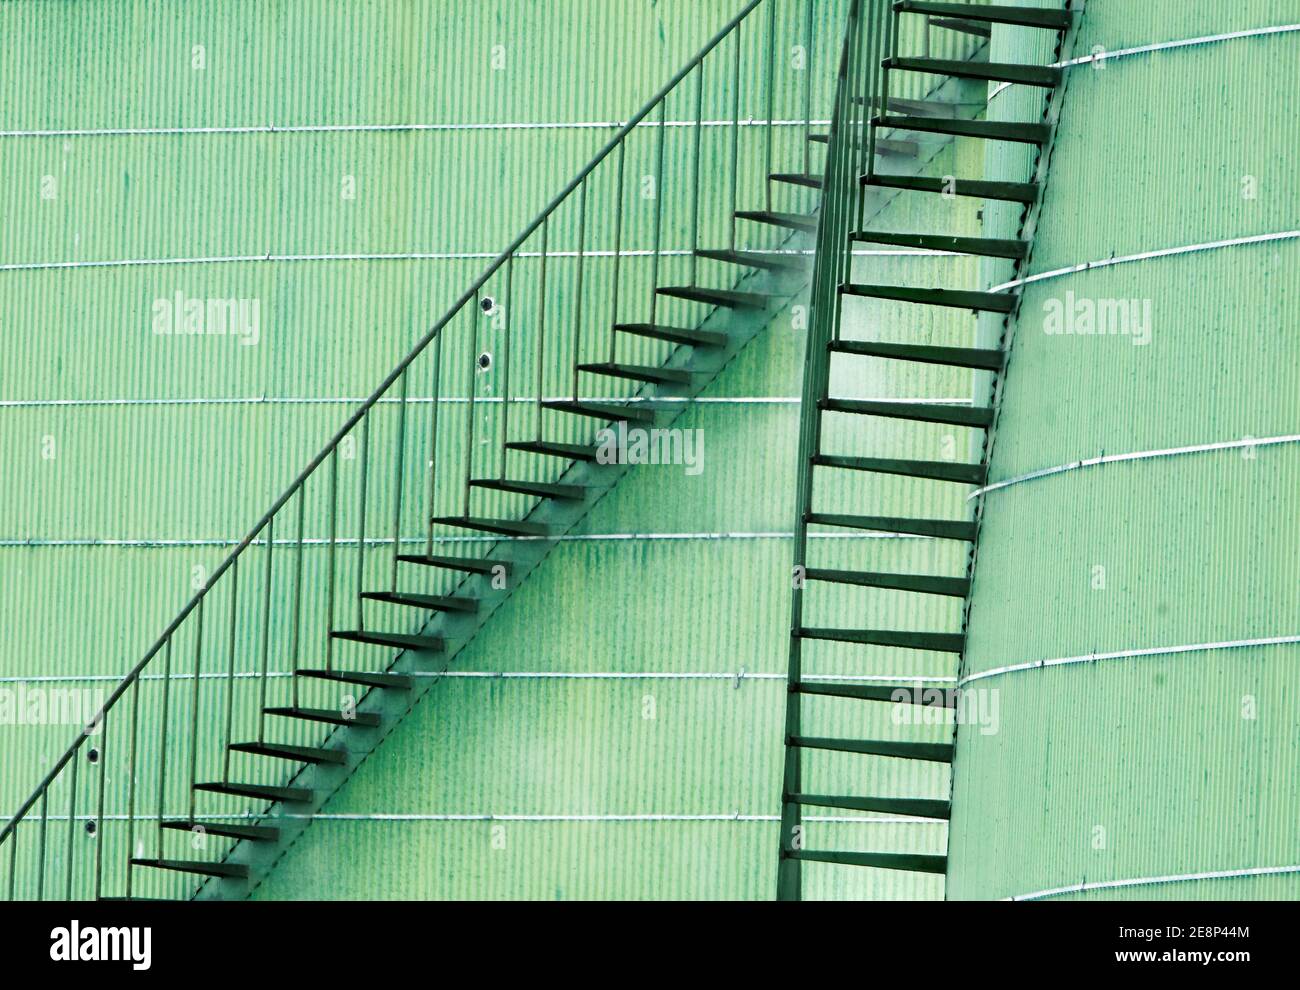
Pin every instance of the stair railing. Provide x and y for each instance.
(446, 415)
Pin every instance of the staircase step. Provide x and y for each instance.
(810, 180)
(988, 247)
(433, 603)
(299, 754)
(640, 373)
(965, 474)
(507, 527)
(928, 752)
(253, 833)
(403, 641)
(538, 489)
(791, 221)
(1008, 72)
(924, 584)
(680, 335)
(1055, 20)
(716, 297)
(980, 358)
(917, 807)
(234, 871)
(885, 147)
(474, 565)
(990, 130)
(912, 694)
(992, 302)
(920, 108)
(965, 27)
(1011, 192)
(938, 642)
(367, 720)
(907, 862)
(261, 791)
(753, 259)
(551, 448)
(973, 416)
(398, 682)
(609, 412)
(942, 529)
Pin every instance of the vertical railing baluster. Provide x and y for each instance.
(72, 827)
(807, 87)
(194, 708)
(361, 522)
(659, 207)
(618, 250)
(40, 856)
(13, 859)
(100, 838)
(130, 783)
(162, 741)
(771, 102)
(735, 138)
(330, 553)
(295, 657)
(577, 294)
(433, 438)
(695, 173)
(266, 645)
(398, 478)
(472, 365)
(505, 360)
(230, 664)
(541, 325)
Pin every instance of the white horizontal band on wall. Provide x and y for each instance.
(390, 128)
(1136, 456)
(1162, 46)
(703, 400)
(735, 676)
(736, 816)
(1078, 888)
(1152, 651)
(1088, 266)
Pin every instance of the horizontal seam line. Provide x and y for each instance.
(494, 817)
(382, 541)
(740, 675)
(1252, 871)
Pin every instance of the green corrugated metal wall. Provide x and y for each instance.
(1164, 765)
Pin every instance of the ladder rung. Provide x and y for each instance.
(506, 527)
(917, 807)
(403, 641)
(924, 584)
(965, 474)
(928, 752)
(538, 489)
(942, 529)
(398, 682)
(1030, 75)
(1012, 192)
(899, 694)
(988, 247)
(1055, 20)
(992, 302)
(908, 862)
(938, 642)
(639, 373)
(990, 130)
(980, 358)
(973, 416)
(432, 603)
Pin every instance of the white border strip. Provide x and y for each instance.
(1152, 651)
(1076, 888)
(389, 128)
(1146, 255)
(1137, 456)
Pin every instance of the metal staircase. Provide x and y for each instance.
(865, 119)
(619, 303)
